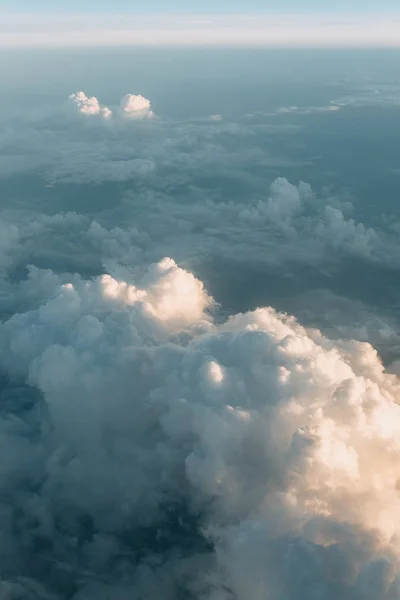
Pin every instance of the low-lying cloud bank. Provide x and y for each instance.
(289, 225)
(152, 452)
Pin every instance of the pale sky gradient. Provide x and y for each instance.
(201, 6)
(283, 23)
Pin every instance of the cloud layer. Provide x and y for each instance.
(160, 443)
(126, 402)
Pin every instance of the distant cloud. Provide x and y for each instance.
(136, 107)
(132, 107)
(89, 106)
(377, 94)
(308, 110)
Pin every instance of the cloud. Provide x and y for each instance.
(308, 110)
(313, 231)
(131, 107)
(51, 144)
(374, 93)
(277, 446)
(260, 220)
(136, 107)
(89, 106)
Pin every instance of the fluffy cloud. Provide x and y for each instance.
(89, 106)
(48, 143)
(136, 107)
(132, 106)
(127, 402)
(150, 225)
(282, 234)
(308, 110)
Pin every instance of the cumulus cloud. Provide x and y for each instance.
(153, 449)
(89, 106)
(136, 107)
(287, 228)
(131, 107)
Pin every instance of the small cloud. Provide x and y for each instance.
(215, 117)
(308, 110)
(132, 107)
(89, 106)
(136, 107)
(288, 109)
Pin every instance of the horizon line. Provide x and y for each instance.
(269, 30)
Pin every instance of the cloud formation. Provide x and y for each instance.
(128, 401)
(89, 106)
(160, 443)
(308, 110)
(132, 106)
(136, 107)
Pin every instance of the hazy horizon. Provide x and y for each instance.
(262, 24)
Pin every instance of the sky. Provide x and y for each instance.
(195, 6)
(155, 23)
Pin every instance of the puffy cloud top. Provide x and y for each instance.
(132, 106)
(136, 107)
(282, 443)
(89, 106)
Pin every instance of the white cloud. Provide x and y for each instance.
(308, 110)
(282, 441)
(131, 107)
(136, 107)
(89, 106)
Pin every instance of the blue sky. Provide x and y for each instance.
(201, 6)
